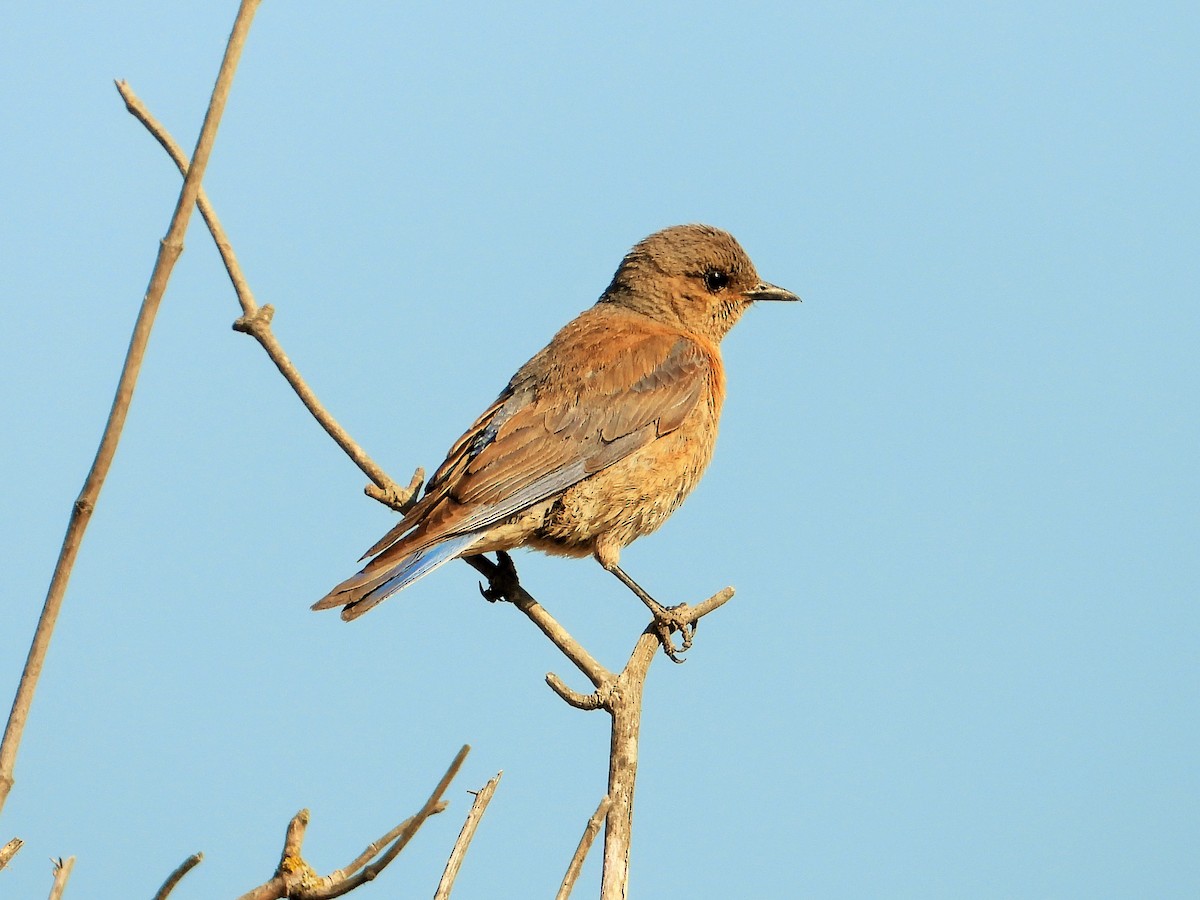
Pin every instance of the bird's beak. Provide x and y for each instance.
(764, 290)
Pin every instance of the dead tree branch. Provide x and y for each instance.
(454, 863)
(81, 512)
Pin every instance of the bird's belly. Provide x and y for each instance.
(631, 498)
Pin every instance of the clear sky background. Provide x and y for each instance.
(957, 489)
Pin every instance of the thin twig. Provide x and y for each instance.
(454, 863)
(585, 844)
(256, 322)
(168, 252)
(62, 871)
(175, 877)
(9, 850)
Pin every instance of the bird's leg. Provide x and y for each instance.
(503, 582)
(666, 618)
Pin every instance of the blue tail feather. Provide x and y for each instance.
(411, 569)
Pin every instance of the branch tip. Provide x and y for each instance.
(9, 850)
(174, 878)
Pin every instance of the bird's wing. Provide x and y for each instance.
(544, 435)
(647, 388)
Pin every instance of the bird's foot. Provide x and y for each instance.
(503, 582)
(668, 619)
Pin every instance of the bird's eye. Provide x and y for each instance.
(716, 280)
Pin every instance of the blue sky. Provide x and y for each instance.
(957, 488)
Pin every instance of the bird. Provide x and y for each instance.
(598, 438)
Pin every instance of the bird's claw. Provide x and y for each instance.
(669, 619)
(504, 582)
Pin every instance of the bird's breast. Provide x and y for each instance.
(635, 495)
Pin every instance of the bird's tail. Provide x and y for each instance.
(375, 583)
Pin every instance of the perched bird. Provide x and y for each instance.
(599, 437)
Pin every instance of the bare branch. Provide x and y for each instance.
(454, 863)
(585, 844)
(9, 850)
(175, 877)
(256, 322)
(293, 838)
(624, 702)
(62, 871)
(168, 252)
(626, 710)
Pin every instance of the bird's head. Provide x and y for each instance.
(695, 277)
